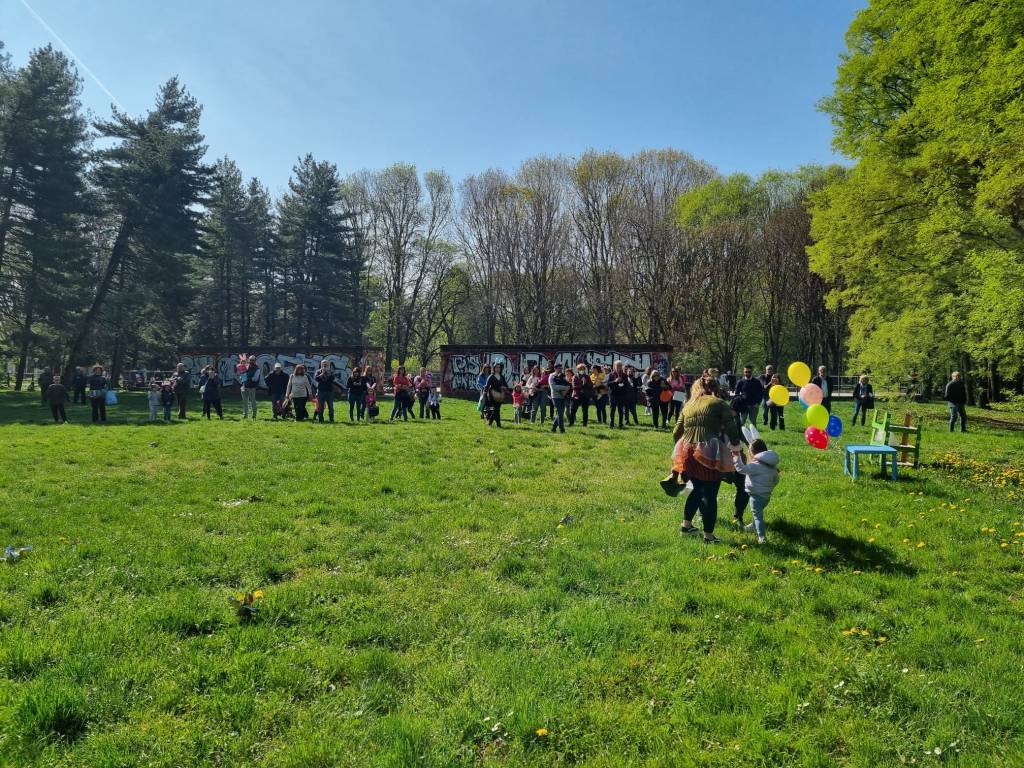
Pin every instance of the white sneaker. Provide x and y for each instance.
(748, 527)
(762, 540)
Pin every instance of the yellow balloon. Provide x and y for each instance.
(779, 395)
(817, 416)
(799, 373)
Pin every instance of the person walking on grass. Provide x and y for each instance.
(749, 394)
(826, 387)
(518, 400)
(97, 384)
(776, 412)
(676, 384)
(45, 380)
(617, 386)
(166, 399)
(78, 380)
(495, 390)
(634, 392)
(761, 475)
(656, 390)
(559, 386)
(956, 399)
(481, 382)
(766, 380)
(181, 383)
(598, 378)
(324, 392)
(277, 387)
(582, 394)
(249, 379)
(210, 386)
(153, 398)
(536, 391)
(402, 406)
(706, 458)
(356, 395)
(863, 400)
(434, 402)
(299, 391)
(422, 383)
(56, 395)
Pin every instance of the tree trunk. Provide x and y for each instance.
(26, 326)
(118, 254)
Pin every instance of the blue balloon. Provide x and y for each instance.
(835, 426)
(802, 403)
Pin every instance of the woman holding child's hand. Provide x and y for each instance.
(703, 420)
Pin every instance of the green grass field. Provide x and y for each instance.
(423, 606)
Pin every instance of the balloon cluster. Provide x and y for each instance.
(820, 424)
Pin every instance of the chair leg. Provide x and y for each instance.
(856, 466)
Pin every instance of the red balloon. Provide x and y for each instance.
(816, 438)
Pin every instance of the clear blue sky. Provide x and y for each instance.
(465, 85)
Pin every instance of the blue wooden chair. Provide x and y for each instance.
(878, 446)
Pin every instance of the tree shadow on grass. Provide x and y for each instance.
(829, 549)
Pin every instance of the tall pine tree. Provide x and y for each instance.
(151, 181)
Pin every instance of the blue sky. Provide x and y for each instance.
(465, 85)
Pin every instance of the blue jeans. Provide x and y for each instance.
(559, 421)
(323, 400)
(356, 405)
(862, 409)
(765, 410)
(757, 505)
(538, 406)
(957, 411)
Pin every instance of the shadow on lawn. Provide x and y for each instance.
(830, 549)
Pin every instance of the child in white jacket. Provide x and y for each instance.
(761, 476)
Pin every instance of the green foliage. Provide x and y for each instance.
(423, 607)
(927, 231)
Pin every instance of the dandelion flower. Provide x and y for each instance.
(920, 545)
(871, 540)
(542, 732)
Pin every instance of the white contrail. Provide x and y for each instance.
(71, 53)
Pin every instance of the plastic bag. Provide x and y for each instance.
(111, 397)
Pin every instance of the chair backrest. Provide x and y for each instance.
(880, 421)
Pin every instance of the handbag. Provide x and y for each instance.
(679, 396)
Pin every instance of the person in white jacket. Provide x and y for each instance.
(761, 475)
(299, 391)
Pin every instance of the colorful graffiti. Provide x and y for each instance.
(340, 360)
(462, 365)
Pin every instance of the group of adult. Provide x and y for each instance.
(290, 394)
(566, 394)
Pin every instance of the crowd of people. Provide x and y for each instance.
(565, 395)
(559, 395)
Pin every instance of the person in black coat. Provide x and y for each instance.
(181, 383)
(956, 399)
(97, 384)
(78, 380)
(863, 400)
(495, 389)
(822, 381)
(749, 394)
(277, 384)
(634, 386)
(210, 385)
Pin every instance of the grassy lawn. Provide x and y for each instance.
(423, 606)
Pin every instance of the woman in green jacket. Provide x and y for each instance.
(703, 423)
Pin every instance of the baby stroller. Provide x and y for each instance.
(287, 410)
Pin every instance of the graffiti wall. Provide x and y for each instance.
(462, 364)
(341, 362)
